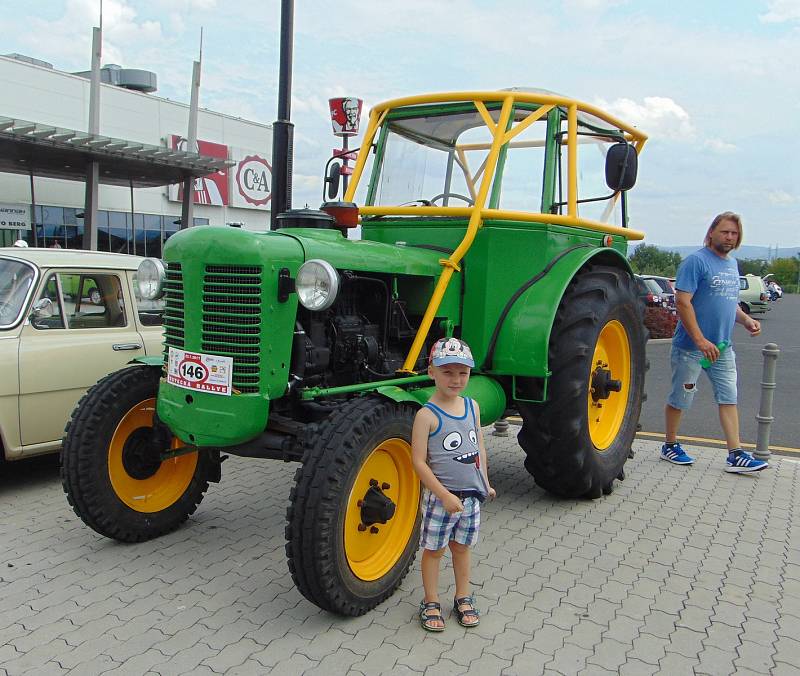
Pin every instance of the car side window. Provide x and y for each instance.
(151, 312)
(92, 301)
(46, 312)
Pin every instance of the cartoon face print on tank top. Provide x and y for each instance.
(454, 441)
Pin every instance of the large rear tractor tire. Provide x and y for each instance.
(110, 466)
(353, 516)
(578, 440)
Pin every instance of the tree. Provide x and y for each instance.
(648, 259)
(785, 271)
(752, 266)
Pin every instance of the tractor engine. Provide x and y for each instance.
(360, 338)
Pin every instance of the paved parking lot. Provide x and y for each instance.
(680, 571)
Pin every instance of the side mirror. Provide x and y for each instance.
(42, 309)
(332, 180)
(622, 163)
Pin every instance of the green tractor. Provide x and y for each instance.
(303, 344)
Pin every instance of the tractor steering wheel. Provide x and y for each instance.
(442, 195)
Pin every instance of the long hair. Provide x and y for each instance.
(725, 216)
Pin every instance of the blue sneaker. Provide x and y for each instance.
(741, 462)
(676, 455)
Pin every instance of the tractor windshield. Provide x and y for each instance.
(439, 159)
(515, 155)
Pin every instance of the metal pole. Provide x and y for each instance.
(33, 211)
(764, 416)
(283, 129)
(93, 169)
(191, 145)
(132, 240)
(344, 164)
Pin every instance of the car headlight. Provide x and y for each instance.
(317, 284)
(150, 278)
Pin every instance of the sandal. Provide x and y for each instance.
(427, 618)
(468, 613)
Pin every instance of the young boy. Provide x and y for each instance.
(450, 459)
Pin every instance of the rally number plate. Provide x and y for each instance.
(202, 372)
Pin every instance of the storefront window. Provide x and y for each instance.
(102, 231)
(118, 231)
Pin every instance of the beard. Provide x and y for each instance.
(721, 247)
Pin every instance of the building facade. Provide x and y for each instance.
(130, 220)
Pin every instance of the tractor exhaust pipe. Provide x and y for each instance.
(283, 129)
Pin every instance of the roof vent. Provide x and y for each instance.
(29, 59)
(144, 81)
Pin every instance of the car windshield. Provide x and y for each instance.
(662, 284)
(654, 287)
(16, 279)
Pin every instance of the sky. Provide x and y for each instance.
(714, 83)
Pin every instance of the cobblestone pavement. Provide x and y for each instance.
(679, 571)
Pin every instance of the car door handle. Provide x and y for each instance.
(118, 347)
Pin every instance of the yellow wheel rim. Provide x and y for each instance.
(165, 485)
(372, 554)
(612, 353)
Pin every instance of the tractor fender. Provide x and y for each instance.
(152, 360)
(523, 338)
(487, 391)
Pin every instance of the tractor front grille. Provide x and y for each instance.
(232, 320)
(173, 308)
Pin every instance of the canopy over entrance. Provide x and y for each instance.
(54, 152)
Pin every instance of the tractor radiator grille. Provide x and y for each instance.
(173, 308)
(232, 320)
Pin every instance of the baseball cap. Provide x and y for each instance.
(451, 351)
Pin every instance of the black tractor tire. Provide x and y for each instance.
(365, 442)
(561, 453)
(107, 464)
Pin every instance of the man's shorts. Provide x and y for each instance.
(439, 527)
(686, 370)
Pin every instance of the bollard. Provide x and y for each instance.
(764, 416)
(500, 428)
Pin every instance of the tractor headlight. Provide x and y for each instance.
(317, 284)
(150, 278)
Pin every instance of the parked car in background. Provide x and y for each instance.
(753, 295)
(650, 292)
(667, 290)
(67, 318)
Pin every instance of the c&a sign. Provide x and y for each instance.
(254, 180)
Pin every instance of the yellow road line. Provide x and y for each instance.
(699, 440)
(717, 442)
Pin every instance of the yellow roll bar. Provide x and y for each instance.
(502, 133)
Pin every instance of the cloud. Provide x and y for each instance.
(781, 11)
(781, 197)
(593, 5)
(717, 145)
(658, 116)
(69, 36)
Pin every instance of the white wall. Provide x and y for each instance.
(60, 99)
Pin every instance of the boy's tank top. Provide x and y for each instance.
(453, 451)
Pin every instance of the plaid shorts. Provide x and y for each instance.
(439, 527)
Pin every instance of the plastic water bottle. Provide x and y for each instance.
(705, 362)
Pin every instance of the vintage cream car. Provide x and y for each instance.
(67, 318)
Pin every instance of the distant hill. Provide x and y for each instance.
(763, 252)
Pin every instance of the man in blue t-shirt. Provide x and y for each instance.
(707, 298)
